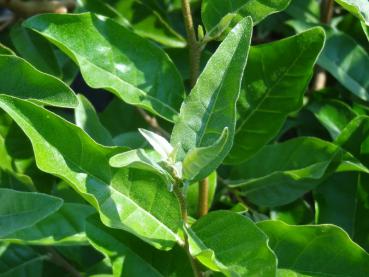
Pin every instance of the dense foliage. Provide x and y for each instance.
(184, 138)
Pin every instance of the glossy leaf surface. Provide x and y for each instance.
(117, 61)
(323, 250)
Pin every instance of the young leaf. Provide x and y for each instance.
(88, 120)
(273, 87)
(358, 8)
(19, 210)
(124, 197)
(343, 200)
(160, 144)
(212, 11)
(16, 260)
(64, 227)
(240, 249)
(211, 105)
(131, 257)
(118, 62)
(281, 173)
(34, 84)
(199, 162)
(323, 250)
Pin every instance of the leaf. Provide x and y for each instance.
(138, 16)
(199, 162)
(212, 11)
(123, 197)
(136, 159)
(20, 261)
(323, 250)
(298, 213)
(19, 210)
(35, 49)
(33, 84)
(240, 249)
(192, 194)
(88, 120)
(343, 200)
(333, 114)
(160, 144)
(346, 62)
(273, 87)
(131, 257)
(365, 29)
(64, 227)
(5, 50)
(281, 173)
(304, 10)
(211, 105)
(358, 8)
(117, 62)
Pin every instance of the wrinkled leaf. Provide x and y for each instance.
(124, 197)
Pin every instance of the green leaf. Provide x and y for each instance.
(64, 227)
(333, 114)
(281, 173)
(19, 78)
(199, 162)
(138, 16)
(192, 194)
(240, 249)
(19, 210)
(212, 11)
(365, 29)
(88, 120)
(5, 50)
(323, 250)
(131, 257)
(159, 143)
(118, 60)
(273, 87)
(211, 105)
(298, 212)
(346, 62)
(35, 49)
(20, 261)
(358, 8)
(343, 200)
(304, 10)
(123, 197)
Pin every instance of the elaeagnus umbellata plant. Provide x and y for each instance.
(184, 138)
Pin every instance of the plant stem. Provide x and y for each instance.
(153, 122)
(193, 45)
(194, 48)
(182, 202)
(57, 259)
(326, 14)
(203, 198)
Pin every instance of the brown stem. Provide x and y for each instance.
(203, 198)
(24, 9)
(60, 261)
(182, 202)
(193, 45)
(326, 14)
(153, 122)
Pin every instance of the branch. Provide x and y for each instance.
(203, 198)
(24, 9)
(154, 124)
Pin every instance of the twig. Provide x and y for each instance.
(57, 259)
(182, 202)
(24, 9)
(203, 198)
(326, 14)
(193, 45)
(154, 124)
